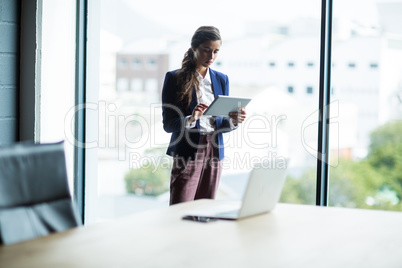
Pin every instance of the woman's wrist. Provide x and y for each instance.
(191, 120)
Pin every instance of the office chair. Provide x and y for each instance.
(34, 196)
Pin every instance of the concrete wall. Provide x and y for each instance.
(9, 70)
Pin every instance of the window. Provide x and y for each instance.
(151, 86)
(130, 170)
(290, 89)
(355, 148)
(309, 90)
(57, 81)
(136, 64)
(122, 63)
(122, 84)
(310, 64)
(366, 117)
(151, 64)
(136, 84)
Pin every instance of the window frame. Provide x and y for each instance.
(323, 118)
(324, 104)
(80, 99)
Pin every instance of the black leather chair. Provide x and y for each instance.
(34, 196)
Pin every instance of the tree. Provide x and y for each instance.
(300, 190)
(385, 154)
(152, 178)
(354, 184)
(149, 180)
(374, 182)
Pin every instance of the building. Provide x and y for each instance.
(141, 74)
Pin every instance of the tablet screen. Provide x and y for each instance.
(223, 105)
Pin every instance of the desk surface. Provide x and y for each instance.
(289, 236)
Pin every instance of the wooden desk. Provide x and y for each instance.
(290, 236)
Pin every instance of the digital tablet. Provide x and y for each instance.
(223, 105)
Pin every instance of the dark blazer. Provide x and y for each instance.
(184, 142)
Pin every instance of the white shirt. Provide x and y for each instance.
(205, 95)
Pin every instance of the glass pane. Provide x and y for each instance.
(270, 53)
(58, 77)
(366, 160)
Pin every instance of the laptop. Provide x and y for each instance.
(262, 192)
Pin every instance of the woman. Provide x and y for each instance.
(196, 143)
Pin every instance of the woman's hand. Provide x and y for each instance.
(197, 112)
(238, 117)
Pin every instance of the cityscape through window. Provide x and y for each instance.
(264, 50)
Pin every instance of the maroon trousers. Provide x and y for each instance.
(198, 178)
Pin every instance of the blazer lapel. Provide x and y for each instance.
(216, 86)
(194, 103)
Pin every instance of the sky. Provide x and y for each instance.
(229, 15)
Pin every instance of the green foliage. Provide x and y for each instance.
(374, 183)
(386, 154)
(386, 135)
(300, 190)
(153, 177)
(148, 180)
(354, 184)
